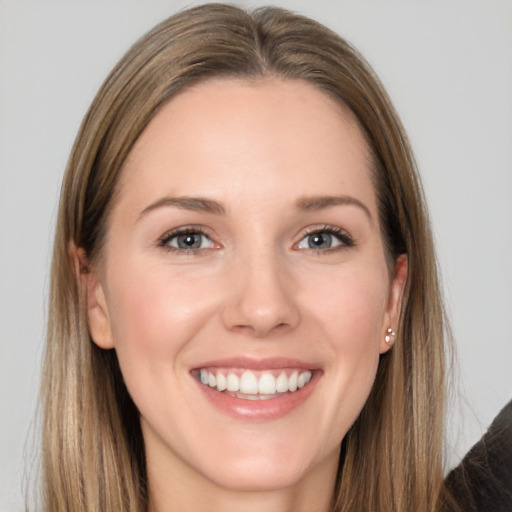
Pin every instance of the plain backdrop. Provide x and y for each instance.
(448, 68)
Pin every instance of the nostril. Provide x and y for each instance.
(260, 328)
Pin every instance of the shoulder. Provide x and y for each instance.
(482, 482)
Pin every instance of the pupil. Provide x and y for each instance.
(189, 241)
(320, 240)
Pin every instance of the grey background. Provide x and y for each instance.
(446, 64)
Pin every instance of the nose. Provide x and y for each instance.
(261, 300)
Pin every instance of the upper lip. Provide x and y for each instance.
(249, 363)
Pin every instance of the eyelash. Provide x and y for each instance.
(163, 242)
(345, 239)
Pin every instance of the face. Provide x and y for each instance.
(244, 283)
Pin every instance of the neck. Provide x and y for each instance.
(177, 488)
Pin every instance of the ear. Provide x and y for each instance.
(97, 311)
(396, 291)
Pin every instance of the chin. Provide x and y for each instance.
(260, 475)
(273, 464)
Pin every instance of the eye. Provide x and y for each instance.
(186, 240)
(325, 239)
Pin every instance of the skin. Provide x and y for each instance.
(254, 289)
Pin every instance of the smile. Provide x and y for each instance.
(258, 390)
(255, 385)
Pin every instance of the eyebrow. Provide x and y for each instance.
(315, 203)
(195, 204)
(203, 205)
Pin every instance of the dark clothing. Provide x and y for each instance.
(482, 482)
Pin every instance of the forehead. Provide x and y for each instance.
(239, 132)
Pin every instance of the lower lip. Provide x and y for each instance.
(270, 409)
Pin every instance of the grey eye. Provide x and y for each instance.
(190, 241)
(319, 240)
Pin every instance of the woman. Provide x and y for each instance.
(245, 311)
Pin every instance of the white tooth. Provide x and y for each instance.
(301, 381)
(292, 382)
(282, 383)
(267, 384)
(222, 383)
(308, 375)
(204, 376)
(248, 383)
(212, 381)
(233, 382)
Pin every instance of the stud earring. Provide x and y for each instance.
(390, 333)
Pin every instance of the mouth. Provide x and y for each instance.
(249, 384)
(262, 390)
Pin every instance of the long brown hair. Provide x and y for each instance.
(93, 452)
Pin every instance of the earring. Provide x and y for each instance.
(389, 334)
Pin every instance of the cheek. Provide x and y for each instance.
(353, 308)
(154, 314)
(356, 329)
(352, 316)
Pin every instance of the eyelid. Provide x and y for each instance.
(344, 237)
(163, 241)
